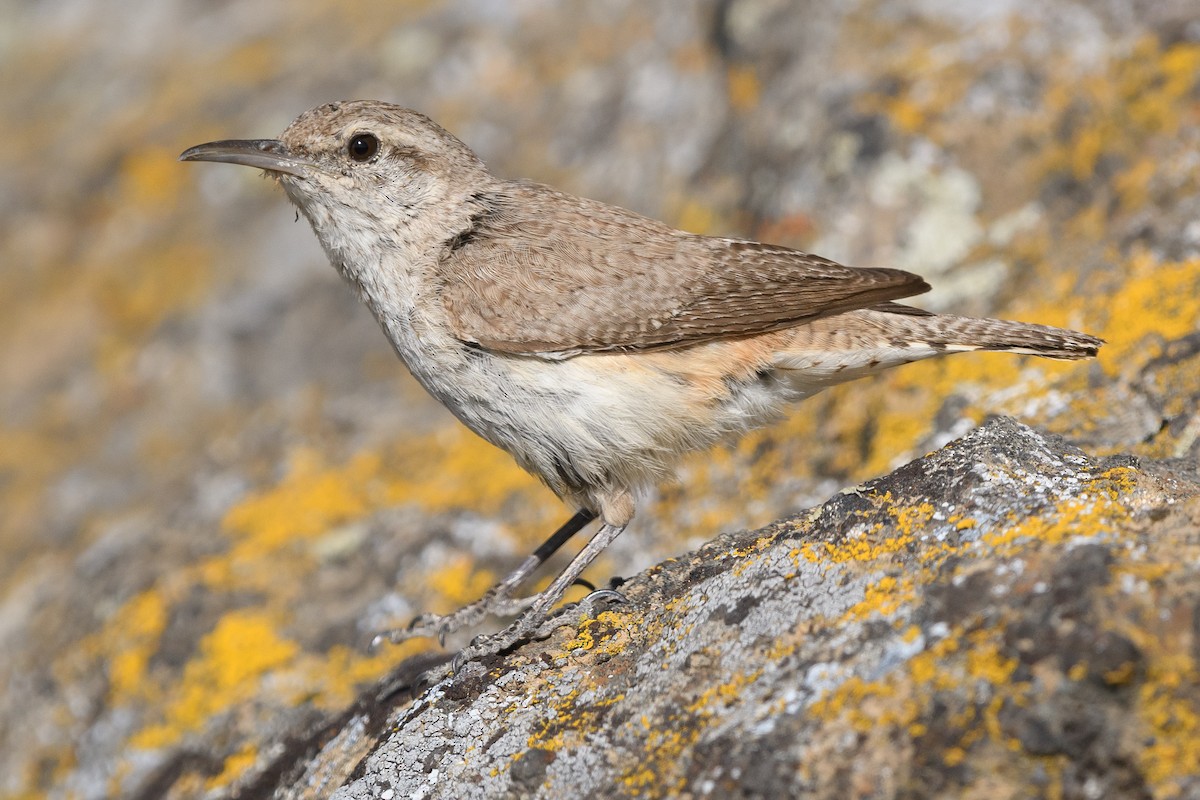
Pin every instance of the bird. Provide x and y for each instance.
(595, 345)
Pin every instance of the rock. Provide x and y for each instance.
(1005, 612)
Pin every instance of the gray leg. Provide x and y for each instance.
(497, 601)
(529, 623)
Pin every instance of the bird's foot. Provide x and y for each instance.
(494, 603)
(535, 623)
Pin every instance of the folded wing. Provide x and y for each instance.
(542, 272)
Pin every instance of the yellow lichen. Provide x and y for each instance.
(613, 641)
(311, 499)
(234, 658)
(150, 178)
(132, 639)
(721, 694)
(234, 767)
(332, 679)
(744, 87)
(984, 660)
(959, 661)
(138, 294)
(882, 598)
(1157, 302)
(696, 217)
(570, 721)
(954, 756)
(1172, 754)
(1085, 515)
(1134, 97)
(459, 582)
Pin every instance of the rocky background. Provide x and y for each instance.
(216, 481)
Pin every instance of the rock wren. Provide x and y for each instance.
(594, 345)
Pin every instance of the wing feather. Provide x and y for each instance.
(542, 272)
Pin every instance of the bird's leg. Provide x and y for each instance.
(529, 623)
(497, 601)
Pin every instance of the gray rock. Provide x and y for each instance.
(985, 615)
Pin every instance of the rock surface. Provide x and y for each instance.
(1004, 615)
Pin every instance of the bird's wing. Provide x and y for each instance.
(542, 272)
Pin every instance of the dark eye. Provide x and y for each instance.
(362, 146)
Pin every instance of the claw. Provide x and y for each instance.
(418, 627)
(605, 595)
(425, 679)
(591, 587)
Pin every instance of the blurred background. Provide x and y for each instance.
(216, 480)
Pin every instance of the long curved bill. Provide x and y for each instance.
(268, 154)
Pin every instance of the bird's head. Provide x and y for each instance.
(363, 168)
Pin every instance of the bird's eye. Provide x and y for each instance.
(363, 146)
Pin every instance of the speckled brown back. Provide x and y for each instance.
(543, 271)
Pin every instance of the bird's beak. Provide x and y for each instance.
(269, 154)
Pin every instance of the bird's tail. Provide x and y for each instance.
(848, 346)
(962, 334)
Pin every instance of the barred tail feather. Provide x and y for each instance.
(858, 343)
(961, 334)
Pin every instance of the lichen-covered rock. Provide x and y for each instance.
(1004, 617)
